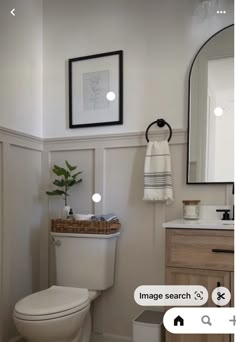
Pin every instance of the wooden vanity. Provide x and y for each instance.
(200, 257)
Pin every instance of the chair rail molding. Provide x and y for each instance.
(20, 139)
(87, 142)
(132, 139)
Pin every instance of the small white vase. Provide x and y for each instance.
(65, 211)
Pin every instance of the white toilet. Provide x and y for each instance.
(84, 267)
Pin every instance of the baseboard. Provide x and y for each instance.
(109, 338)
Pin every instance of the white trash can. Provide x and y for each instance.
(148, 327)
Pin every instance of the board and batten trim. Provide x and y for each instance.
(99, 144)
(111, 140)
(132, 139)
(20, 139)
(6, 242)
(99, 178)
(45, 222)
(2, 170)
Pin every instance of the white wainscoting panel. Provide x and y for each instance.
(113, 166)
(21, 214)
(141, 246)
(80, 196)
(1, 236)
(23, 219)
(118, 175)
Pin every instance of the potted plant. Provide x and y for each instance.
(65, 181)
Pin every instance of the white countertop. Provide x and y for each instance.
(200, 224)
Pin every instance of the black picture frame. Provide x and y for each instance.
(91, 79)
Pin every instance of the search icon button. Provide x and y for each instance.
(206, 320)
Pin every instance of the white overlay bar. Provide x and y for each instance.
(201, 320)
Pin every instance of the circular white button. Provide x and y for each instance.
(111, 96)
(96, 197)
(221, 296)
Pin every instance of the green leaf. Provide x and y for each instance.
(71, 182)
(59, 183)
(60, 171)
(76, 174)
(55, 193)
(66, 180)
(71, 168)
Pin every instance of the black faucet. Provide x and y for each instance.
(225, 215)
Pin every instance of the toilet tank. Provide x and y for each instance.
(85, 260)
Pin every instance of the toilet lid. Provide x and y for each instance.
(56, 299)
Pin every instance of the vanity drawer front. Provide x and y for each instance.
(205, 249)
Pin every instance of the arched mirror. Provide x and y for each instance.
(211, 111)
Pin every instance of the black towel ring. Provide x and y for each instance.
(160, 123)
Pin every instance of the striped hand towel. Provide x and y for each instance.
(157, 172)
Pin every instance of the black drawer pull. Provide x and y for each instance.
(222, 250)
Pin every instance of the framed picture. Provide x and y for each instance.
(96, 90)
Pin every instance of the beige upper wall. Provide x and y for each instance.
(21, 66)
(159, 39)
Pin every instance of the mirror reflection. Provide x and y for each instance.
(211, 111)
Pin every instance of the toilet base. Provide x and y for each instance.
(85, 332)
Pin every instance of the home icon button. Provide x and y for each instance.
(178, 321)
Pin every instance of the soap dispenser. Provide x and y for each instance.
(71, 214)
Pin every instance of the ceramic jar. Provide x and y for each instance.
(191, 209)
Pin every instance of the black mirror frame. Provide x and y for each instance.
(188, 126)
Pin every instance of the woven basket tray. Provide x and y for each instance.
(84, 227)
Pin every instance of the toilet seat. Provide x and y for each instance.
(54, 302)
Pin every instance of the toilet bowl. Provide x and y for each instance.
(58, 314)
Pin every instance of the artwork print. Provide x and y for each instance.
(95, 89)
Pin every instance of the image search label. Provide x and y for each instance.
(171, 295)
